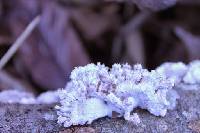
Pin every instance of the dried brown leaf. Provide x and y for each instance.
(52, 50)
(92, 25)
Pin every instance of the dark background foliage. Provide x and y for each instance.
(76, 32)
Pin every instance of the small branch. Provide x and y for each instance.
(135, 22)
(19, 42)
(190, 41)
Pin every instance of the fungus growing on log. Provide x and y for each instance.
(96, 91)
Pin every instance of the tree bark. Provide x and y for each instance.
(17, 118)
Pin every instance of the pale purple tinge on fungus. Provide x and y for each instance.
(193, 74)
(96, 91)
(22, 97)
(179, 72)
(174, 71)
(16, 96)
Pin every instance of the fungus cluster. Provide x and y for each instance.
(96, 91)
(179, 72)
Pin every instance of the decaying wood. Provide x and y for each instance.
(42, 118)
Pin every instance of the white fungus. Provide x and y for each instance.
(16, 96)
(179, 72)
(96, 91)
(174, 71)
(49, 116)
(193, 74)
(22, 97)
(48, 97)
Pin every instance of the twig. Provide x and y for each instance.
(135, 22)
(19, 42)
(190, 41)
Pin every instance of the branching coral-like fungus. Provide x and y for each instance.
(179, 72)
(96, 91)
(193, 74)
(174, 71)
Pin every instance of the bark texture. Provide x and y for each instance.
(185, 118)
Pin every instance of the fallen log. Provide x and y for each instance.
(42, 118)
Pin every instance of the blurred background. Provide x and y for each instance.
(77, 32)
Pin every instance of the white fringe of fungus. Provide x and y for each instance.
(15, 96)
(96, 91)
(179, 72)
(174, 71)
(48, 97)
(22, 97)
(193, 74)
